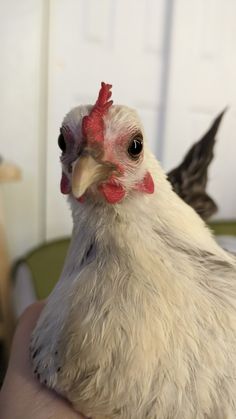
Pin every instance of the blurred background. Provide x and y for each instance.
(173, 60)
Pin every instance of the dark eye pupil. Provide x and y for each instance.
(62, 143)
(135, 147)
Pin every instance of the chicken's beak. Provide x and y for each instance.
(86, 172)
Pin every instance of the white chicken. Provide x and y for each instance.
(142, 323)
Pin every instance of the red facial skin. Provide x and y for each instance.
(93, 135)
(65, 184)
(115, 192)
(146, 185)
(112, 190)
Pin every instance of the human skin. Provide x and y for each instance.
(22, 396)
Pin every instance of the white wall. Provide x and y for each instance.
(174, 60)
(202, 82)
(20, 69)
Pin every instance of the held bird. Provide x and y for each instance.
(142, 322)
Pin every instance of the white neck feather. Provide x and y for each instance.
(144, 227)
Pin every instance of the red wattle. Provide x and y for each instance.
(112, 192)
(146, 184)
(65, 184)
(81, 199)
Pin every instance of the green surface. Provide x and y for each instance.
(225, 228)
(46, 263)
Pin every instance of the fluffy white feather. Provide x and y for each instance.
(142, 323)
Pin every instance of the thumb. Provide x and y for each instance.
(19, 364)
(19, 354)
(31, 399)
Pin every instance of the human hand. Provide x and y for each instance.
(22, 396)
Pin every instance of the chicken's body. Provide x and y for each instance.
(142, 323)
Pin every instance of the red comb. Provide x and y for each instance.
(92, 124)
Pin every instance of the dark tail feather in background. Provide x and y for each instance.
(189, 179)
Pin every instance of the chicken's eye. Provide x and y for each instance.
(62, 143)
(135, 147)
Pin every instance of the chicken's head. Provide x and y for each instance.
(103, 151)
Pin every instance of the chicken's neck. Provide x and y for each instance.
(144, 230)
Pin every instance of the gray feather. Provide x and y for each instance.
(189, 179)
